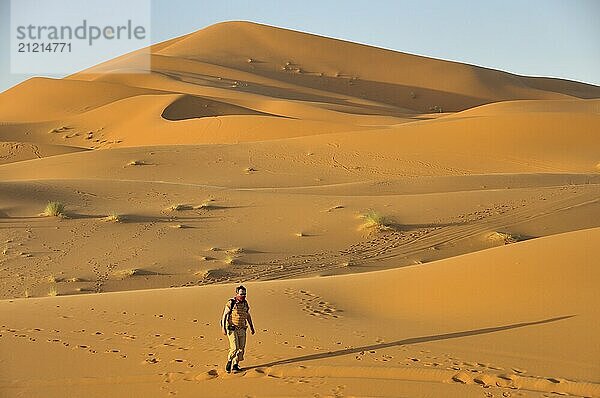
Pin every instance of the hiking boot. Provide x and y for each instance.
(228, 367)
(236, 368)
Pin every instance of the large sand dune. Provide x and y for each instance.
(407, 226)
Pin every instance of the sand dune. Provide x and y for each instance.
(590, 107)
(427, 227)
(307, 54)
(454, 329)
(54, 99)
(11, 152)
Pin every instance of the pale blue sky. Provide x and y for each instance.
(538, 38)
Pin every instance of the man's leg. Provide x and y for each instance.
(241, 344)
(232, 355)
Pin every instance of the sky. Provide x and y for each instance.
(535, 38)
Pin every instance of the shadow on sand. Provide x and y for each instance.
(412, 340)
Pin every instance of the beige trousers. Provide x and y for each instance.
(237, 345)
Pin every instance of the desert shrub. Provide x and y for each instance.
(373, 219)
(113, 217)
(179, 207)
(54, 209)
(136, 163)
(230, 260)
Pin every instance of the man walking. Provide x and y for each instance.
(235, 317)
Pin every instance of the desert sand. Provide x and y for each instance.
(406, 226)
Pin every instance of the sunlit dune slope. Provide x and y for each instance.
(298, 57)
(492, 321)
(242, 69)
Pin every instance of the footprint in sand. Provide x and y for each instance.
(485, 380)
(462, 377)
(211, 374)
(313, 304)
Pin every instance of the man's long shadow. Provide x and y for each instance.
(412, 340)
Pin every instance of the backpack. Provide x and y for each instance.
(232, 303)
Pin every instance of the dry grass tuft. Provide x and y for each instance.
(179, 207)
(53, 291)
(206, 205)
(230, 260)
(375, 220)
(54, 209)
(136, 163)
(202, 274)
(113, 217)
(126, 273)
(504, 238)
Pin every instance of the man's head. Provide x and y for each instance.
(240, 293)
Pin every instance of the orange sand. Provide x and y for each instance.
(252, 154)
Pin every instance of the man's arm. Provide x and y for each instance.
(250, 323)
(225, 319)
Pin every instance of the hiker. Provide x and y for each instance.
(235, 317)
